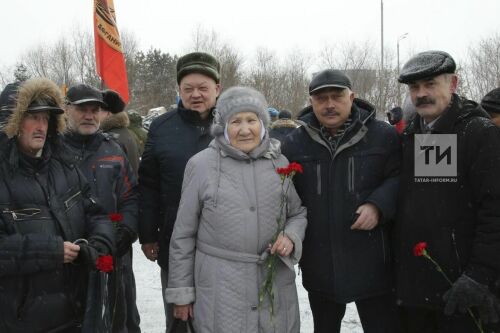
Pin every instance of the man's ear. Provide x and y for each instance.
(218, 89)
(454, 83)
(351, 96)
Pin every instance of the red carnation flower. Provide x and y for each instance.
(295, 167)
(419, 249)
(116, 217)
(104, 263)
(283, 171)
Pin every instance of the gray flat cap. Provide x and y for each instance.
(426, 65)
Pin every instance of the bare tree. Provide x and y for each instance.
(62, 63)
(37, 60)
(230, 60)
(482, 71)
(361, 63)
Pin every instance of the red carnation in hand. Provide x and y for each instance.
(420, 249)
(115, 217)
(104, 263)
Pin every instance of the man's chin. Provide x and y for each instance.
(87, 130)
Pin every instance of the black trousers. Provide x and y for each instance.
(418, 320)
(377, 314)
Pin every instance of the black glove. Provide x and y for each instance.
(124, 239)
(87, 255)
(466, 293)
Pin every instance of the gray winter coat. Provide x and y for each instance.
(225, 222)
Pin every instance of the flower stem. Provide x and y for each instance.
(440, 270)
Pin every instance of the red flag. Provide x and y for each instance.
(110, 61)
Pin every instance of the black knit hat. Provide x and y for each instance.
(285, 114)
(198, 62)
(491, 101)
(425, 65)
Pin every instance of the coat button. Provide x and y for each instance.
(252, 209)
(254, 307)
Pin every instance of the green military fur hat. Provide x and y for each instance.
(198, 62)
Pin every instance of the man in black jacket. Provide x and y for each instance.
(51, 229)
(349, 185)
(113, 181)
(173, 139)
(450, 200)
(491, 103)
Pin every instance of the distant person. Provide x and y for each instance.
(137, 128)
(112, 179)
(173, 138)
(226, 221)
(52, 230)
(349, 186)
(7, 103)
(395, 118)
(491, 103)
(115, 121)
(273, 113)
(455, 211)
(283, 126)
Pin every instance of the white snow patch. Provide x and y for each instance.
(150, 305)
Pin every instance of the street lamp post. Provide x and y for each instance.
(400, 38)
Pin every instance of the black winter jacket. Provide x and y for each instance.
(173, 138)
(341, 263)
(459, 220)
(109, 172)
(42, 204)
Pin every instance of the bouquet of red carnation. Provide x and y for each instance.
(270, 263)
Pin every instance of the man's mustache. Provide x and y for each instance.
(424, 100)
(330, 113)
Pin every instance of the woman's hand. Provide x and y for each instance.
(283, 246)
(183, 312)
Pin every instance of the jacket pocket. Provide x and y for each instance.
(318, 178)
(70, 199)
(29, 220)
(350, 174)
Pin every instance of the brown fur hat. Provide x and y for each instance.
(37, 90)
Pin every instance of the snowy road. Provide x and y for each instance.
(149, 302)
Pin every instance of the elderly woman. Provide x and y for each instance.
(230, 201)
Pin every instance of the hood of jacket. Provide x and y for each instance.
(115, 120)
(284, 123)
(361, 112)
(29, 91)
(268, 148)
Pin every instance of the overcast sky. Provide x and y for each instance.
(282, 26)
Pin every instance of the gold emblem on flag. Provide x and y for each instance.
(106, 23)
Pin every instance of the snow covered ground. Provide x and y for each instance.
(149, 300)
